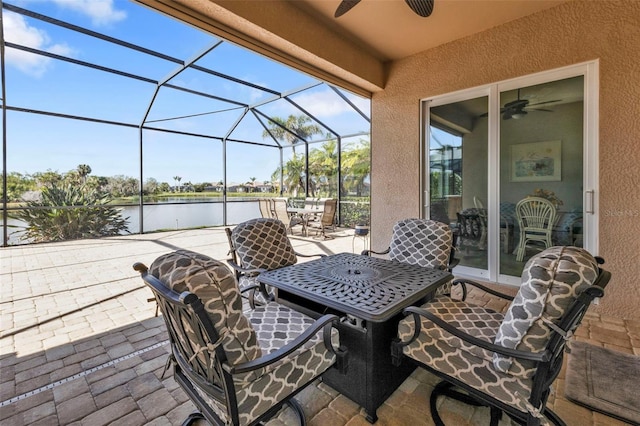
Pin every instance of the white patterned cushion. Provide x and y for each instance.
(277, 325)
(551, 280)
(422, 242)
(475, 320)
(475, 370)
(263, 244)
(216, 286)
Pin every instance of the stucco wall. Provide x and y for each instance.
(571, 33)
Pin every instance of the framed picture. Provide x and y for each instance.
(536, 162)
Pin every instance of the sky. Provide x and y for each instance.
(36, 143)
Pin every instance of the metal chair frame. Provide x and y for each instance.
(549, 361)
(215, 375)
(453, 261)
(240, 269)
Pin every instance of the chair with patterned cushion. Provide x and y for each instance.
(423, 242)
(505, 361)
(259, 245)
(237, 368)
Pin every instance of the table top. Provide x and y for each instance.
(303, 210)
(367, 287)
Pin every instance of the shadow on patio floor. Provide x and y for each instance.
(80, 343)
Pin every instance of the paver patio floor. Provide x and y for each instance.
(80, 343)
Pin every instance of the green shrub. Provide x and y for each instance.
(69, 212)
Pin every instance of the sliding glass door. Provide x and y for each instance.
(487, 149)
(541, 156)
(457, 177)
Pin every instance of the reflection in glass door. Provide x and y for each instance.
(488, 148)
(541, 156)
(457, 176)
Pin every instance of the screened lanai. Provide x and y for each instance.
(136, 114)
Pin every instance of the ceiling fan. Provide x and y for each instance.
(516, 109)
(420, 7)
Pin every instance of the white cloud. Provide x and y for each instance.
(101, 12)
(326, 103)
(18, 31)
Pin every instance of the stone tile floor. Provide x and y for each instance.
(80, 345)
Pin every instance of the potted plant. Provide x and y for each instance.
(361, 229)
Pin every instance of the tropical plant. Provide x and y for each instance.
(84, 170)
(293, 175)
(293, 130)
(47, 178)
(356, 166)
(323, 169)
(70, 212)
(17, 185)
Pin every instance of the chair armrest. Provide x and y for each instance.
(310, 255)
(453, 263)
(419, 312)
(325, 322)
(239, 268)
(250, 287)
(369, 252)
(464, 282)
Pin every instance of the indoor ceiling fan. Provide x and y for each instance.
(518, 108)
(420, 7)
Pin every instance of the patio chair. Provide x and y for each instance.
(259, 245)
(265, 207)
(482, 215)
(506, 228)
(506, 362)
(281, 213)
(237, 368)
(423, 242)
(536, 218)
(327, 217)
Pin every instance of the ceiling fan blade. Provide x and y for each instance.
(545, 102)
(539, 109)
(345, 6)
(423, 8)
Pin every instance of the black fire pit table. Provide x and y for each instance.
(368, 294)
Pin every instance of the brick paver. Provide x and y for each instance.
(78, 330)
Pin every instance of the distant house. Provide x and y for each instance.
(214, 188)
(263, 187)
(242, 187)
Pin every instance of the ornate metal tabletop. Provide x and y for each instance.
(370, 288)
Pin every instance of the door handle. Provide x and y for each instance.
(589, 201)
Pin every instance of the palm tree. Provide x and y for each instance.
(177, 179)
(83, 171)
(356, 165)
(299, 130)
(293, 176)
(323, 167)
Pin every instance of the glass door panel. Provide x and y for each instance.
(541, 155)
(457, 175)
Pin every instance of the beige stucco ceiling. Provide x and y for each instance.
(390, 30)
(351, 51)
